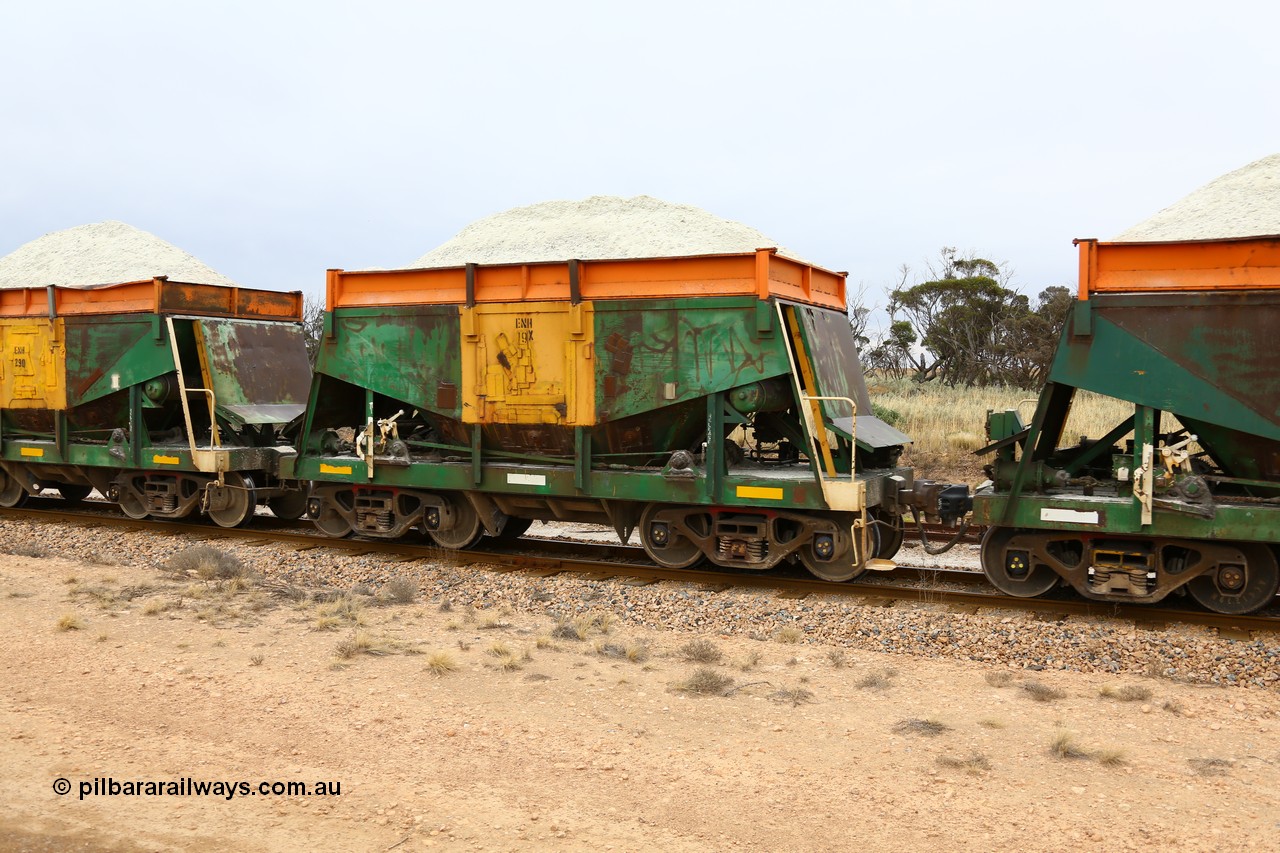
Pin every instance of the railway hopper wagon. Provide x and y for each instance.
(168, 398)
(1183, 494)
(712, 403)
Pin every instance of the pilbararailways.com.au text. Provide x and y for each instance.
(188, 787)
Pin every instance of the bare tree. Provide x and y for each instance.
(312, 325)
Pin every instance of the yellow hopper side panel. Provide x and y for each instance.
(528, 363)
(33, 362)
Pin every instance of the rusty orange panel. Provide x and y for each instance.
(1251, 263)
(153, 296)
(761, 273)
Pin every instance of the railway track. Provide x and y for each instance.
(960, 590)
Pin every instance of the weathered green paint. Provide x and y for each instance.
(799, 491)
(1205, 357)
(107, 354)
(1121, 515)
(404, 353)
(260, 371)
(663, 370)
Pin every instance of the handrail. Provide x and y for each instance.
(805, 398)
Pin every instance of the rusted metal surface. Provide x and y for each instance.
(762, 274)
(259, 372)
(1208, 358)
(1246, 263)
(157, 295)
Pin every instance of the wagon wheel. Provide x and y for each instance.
(74, 492)
(842, 566)
(466, 530)
(513, 529)
(1014, 573)
(331, 523)
(129, 502)
(1237, 589)
(665, 545)
(11, 492)
(892, 531)
(290, 505)
(232, 505)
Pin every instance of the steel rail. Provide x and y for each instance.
(904, 583)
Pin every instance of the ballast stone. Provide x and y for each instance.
(1243, 203)
(101, 253)
(596, 228)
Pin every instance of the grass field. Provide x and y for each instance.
(948, 424)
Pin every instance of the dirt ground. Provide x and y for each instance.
(549, 742)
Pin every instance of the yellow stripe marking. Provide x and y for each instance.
(771, 493)
(166, 460)
(31, 451)
(334, 469)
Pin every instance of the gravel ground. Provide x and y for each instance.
(992, 636)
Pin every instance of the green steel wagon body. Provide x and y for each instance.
(1183, 494)
(167, 397)
(712, 403)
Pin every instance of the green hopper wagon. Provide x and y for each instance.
(1183, 494)
(712, 403)
(166, 397)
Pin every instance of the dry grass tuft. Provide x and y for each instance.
(1042, 692)
(256, 660)
(836, 658)
(974, 763)
(493, 622)
(1210, 766)
(796, 696)
(999, 678)
(877, 680)
(1127, 693)
(345, 608)
(638, 652)
(575, 629)
(1064, 745)
(508, 660)
(441, 663)
(543, 641)
(400, 590)
(157, 606)
(701, 651)
(205, 562)
(26, 550)
(705, 681)
(789, 634)
(611, 650)
(913, 726)
(361, 643)
(69, 622)
(1110, 757)
(499, 649)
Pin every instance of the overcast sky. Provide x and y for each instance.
(274, 140)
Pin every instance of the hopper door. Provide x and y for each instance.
(256, 372)
(827, 407)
